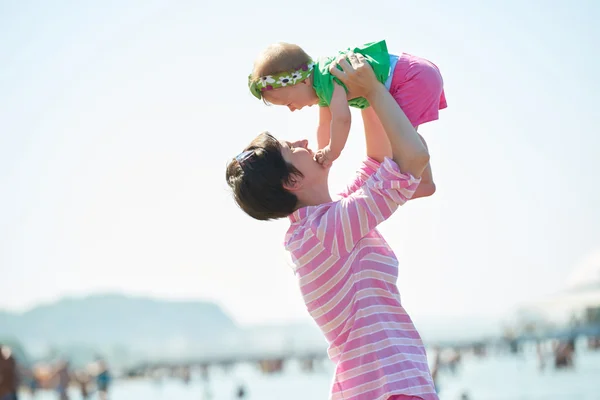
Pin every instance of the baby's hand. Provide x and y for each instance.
(326, 156)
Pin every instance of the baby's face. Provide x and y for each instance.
(293, 97)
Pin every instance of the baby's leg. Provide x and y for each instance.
(426, 187)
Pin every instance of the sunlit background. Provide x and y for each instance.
(120, 240)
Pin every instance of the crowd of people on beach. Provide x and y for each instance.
(58, 376)
(561, 354)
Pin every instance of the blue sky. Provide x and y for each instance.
(117, 120)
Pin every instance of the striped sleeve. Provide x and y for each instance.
(353, 217)
(368, 167)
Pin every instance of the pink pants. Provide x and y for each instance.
(418, 88)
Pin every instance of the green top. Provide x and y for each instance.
(376, 54)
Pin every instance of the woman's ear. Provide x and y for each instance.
(293, 184)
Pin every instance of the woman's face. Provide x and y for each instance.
(303, 158)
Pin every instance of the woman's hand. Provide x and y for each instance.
(358, 77)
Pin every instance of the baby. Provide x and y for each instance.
(284, 74)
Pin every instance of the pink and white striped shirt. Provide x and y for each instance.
(347, 274)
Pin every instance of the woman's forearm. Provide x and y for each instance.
(408, 150)
(377, 142)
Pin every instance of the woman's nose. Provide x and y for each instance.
(301, 143)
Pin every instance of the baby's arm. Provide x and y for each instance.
(323, 131)
(340, 127)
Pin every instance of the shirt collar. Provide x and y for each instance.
(298, 215)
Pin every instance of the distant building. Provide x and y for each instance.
(576, 308)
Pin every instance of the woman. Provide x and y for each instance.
(346, 270)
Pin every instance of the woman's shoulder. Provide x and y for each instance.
(305, 220)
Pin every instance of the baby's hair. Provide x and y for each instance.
(279, 57)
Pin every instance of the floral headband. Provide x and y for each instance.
(282, 79)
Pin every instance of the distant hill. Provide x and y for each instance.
(117, 320)
(125, 329)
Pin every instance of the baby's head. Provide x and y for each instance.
(282, 75)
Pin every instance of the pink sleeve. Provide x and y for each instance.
(353, 217)
(367, 168)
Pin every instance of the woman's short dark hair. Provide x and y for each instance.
(257, 179)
